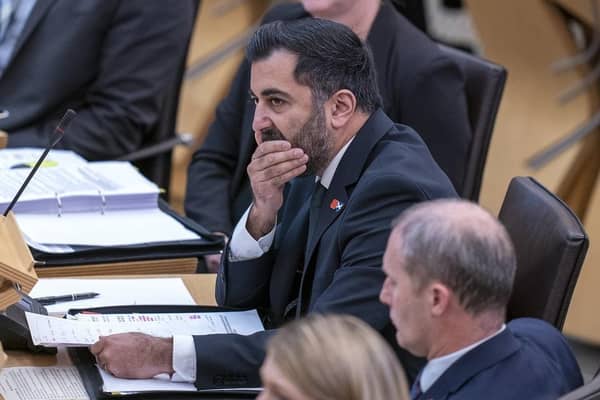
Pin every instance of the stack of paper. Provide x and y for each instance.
(91, 204)
(112, 292)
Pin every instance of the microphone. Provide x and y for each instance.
(58, 134)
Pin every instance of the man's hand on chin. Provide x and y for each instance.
(134, 355)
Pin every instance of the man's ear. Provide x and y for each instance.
(439, 298)
(342, 105)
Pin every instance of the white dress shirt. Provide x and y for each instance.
(242, 246)
(437, 366)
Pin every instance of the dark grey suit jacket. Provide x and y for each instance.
(420, 86)
(529, 360)
(112, 61)
(386, 169)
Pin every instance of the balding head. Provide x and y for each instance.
(460, 245)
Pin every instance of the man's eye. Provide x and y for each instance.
(275, 102)
(254, 99)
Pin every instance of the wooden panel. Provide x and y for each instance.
(582, 320)
(169, 266)
(527, 37)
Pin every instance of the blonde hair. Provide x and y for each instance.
(337, 357)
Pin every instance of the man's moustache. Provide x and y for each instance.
(271, 134)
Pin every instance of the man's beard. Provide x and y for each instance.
(312, 137)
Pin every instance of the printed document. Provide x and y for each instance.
(85, 330)
(112, 292)
(28, 156)
(41, 383)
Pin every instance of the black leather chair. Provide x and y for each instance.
(589, 391)
(484, 85)
(550, 244)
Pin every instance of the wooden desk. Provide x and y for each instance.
(201, 287)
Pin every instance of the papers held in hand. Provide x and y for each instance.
(87, 328)
(95, 204)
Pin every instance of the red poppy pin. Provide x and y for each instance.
(336, 205)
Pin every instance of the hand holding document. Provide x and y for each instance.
(87, 328)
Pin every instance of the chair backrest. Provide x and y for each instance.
(157, 168)
(589, 391)
(484, 84)
(550, 244)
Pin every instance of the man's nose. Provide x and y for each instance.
(261, 119)
(383, 294)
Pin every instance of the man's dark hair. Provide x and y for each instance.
(330, 58)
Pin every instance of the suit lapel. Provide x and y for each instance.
(469, 365)
(40, 9)
(346, 175)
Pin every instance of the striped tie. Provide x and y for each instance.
(7, 8)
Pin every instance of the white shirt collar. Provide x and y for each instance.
(437, 366)
(330, 170)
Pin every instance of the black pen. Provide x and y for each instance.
(46, 301)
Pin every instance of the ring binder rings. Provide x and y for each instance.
(127, 222)
(58, 204)
(102, 202)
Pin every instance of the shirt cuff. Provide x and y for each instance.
(184, 359)
(243, 246)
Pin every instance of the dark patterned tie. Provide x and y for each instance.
(315, 205)
(313, 213)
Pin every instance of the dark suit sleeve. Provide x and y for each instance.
(244, 284)
(208, 194)
(434, 100)
(229, 360)
(141, 52)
